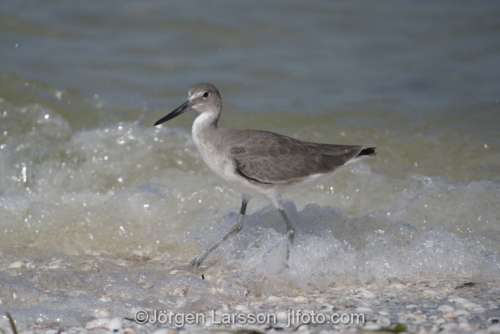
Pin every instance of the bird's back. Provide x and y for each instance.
(268, 157)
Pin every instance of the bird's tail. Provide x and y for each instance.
(369, 152)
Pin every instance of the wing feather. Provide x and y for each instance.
(273, 158)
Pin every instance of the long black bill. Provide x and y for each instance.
(186, 106)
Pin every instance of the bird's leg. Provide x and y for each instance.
(235, 229)
(290, 230)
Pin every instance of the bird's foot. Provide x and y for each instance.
(195, 263)
(192, 266)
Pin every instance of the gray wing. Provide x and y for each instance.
(272, 158)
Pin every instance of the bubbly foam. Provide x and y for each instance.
(94, 220)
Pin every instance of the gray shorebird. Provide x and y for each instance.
(258, 163)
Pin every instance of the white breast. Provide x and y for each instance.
(218, 161)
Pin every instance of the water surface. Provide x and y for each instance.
(96, 204)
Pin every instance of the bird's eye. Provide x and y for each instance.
(205, 95)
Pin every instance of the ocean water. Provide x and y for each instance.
(97, 205)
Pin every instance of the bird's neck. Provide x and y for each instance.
(205, 123)
(205, 135)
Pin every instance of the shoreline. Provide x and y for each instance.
(428, 306)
